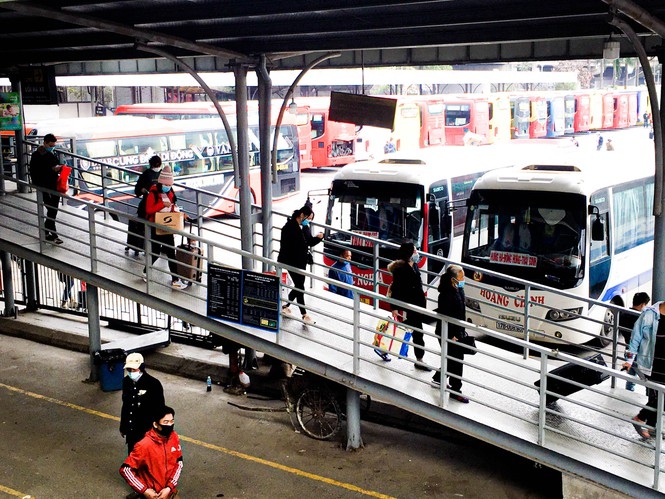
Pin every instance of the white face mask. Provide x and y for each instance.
(134, 375)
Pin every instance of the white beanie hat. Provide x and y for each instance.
(165, 176)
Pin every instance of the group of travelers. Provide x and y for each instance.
(154, 462)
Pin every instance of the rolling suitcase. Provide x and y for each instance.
(135, 236)
(573, 372)
(189, 261)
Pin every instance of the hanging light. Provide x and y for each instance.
(611, 49)
(293, 107)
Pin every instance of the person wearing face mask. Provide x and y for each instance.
(149, 177)
(141, 395)
(136, 229)
(293, 250)
(307, 232)
(407, 287)
(44, 172)
(154, 466)
(162, 198)
(451, 303)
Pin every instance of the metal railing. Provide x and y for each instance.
(498, 380)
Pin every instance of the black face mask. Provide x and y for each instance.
(165, 430)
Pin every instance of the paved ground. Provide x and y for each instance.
(60, 439)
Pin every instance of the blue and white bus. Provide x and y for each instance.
(577, 222)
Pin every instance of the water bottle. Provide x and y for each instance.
(209, 384)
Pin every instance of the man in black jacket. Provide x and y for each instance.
(44, 171)
(142, 394)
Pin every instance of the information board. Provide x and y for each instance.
(243, 296)
(10, 111)
(362, 109)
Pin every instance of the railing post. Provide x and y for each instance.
(659, 442)
(40, 219)
(527, 309)
(356, 332)
(8, 284)
(94, 330)
(615, 339)
(543, 399)
(444, 363)
(375, 268)
(93, 238)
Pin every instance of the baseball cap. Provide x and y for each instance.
(133, 361)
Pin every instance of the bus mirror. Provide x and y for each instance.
(598, 229)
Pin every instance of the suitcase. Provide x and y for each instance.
(135, 236)
(573, 372)
(189, 259)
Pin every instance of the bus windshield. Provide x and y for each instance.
(389, 211)
(538, 237)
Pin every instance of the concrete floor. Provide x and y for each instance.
(60, 439)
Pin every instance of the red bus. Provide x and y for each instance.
(206, 109)
(582, 113)
(620, 111)
(432, 119)
(333, 142)
(466, 115)
(538, 120)
(608, 111)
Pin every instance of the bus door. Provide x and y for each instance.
(620, 111)
(596, 111)
(599, 251)
(582, 113)
(499, 119)
(569, 114)
(538, 119)
(556, 123)
(439, 224)
(521, 112)
(608, 111)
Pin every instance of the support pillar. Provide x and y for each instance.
(353, 439)
(94, 330)
(7, 284)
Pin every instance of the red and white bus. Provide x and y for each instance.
(198, 151)
(466, 114)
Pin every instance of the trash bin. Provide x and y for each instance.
(111, 368)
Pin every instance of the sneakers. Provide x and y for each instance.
(308, 320)
(178, 284)
(54, 240)
(638, 424)
(459, 398)
(286, 311)
(421, 366)
(144, 276)
(384, 356)
(630, 386)
(436, 383)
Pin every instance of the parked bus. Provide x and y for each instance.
(556, 116)
(538, 116)
(499, 118)
(432, 120)
(417, 196)
(206, 109)
(620, 114)
(520, 107)
(332, 142)
(119, 147)
(582, 112)
(569, 222)
(569, 114)
(466, 115)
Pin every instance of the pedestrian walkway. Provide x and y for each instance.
(588, 434)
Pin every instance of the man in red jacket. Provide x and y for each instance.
(153, 468)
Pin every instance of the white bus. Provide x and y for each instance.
(418, 196)
(580, 222)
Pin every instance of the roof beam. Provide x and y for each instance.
(30, 8)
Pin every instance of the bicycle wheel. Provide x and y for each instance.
(318, 414)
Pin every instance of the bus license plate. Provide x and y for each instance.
(503, 326)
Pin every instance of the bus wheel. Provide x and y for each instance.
(606, 332)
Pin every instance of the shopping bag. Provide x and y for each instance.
(174, 220)
(391, 337)
(62, 184)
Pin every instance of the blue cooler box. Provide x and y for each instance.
(111, 368)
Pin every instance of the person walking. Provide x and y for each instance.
(407, 287)
(149, 177)
(161, 198)
(293, 251)
(599, 145)
(341, 271)
(67, 300)
(451, 304)
(307, 232)
(44, 172)
(646, 353)
(142, 394)
(627, 322)
(154, 466)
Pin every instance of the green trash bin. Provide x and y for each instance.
(111, 368)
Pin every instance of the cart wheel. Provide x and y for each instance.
(319, 414)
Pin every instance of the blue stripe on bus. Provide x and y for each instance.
(632, 283)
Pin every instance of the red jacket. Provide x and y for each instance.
(155, 463)
(154, 202)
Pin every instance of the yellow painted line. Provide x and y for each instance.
(15, 493)
(200, 443)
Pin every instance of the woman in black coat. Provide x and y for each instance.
(293, 251)
(407, 286)
(451, 304)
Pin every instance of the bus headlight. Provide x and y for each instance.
(567, 314)
(472, 304)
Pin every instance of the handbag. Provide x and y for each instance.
(62, 184)
(310, 258)
(468, 341)
(391, 338)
